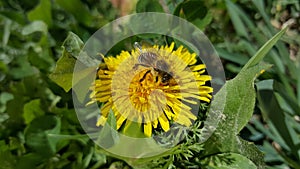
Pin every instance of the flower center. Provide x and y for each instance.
(145, 91)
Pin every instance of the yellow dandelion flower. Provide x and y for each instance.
(153, 86)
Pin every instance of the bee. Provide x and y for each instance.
(157, 65)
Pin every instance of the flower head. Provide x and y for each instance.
(153, 86)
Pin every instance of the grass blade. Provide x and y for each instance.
(236, 20)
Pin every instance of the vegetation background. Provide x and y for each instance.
(32, 106)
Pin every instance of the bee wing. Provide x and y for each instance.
(162, 65)
(148, 58)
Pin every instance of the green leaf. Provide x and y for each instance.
(36, 135)
(111, 120)
(16, 144)
(109, 135)
(73, 44)
(8, 161)
(133, 129)
(16, 16)
(261, 53)
(15, 106)
(202, 23)
(114, 142)
(217, 145)
(32, 110)
(36, 26)
(148, 6)
(235, 161)
(63, 72)
(78, 9)
(4, 98)
(149, 23)
(24, 67)
(42, 12)
(6, 32)
(30, 160)
(148, 150)
(239, 100)
(60, 137)
(41, 60)
(194, 11)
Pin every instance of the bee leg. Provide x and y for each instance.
(144, 76)
(155, 72)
